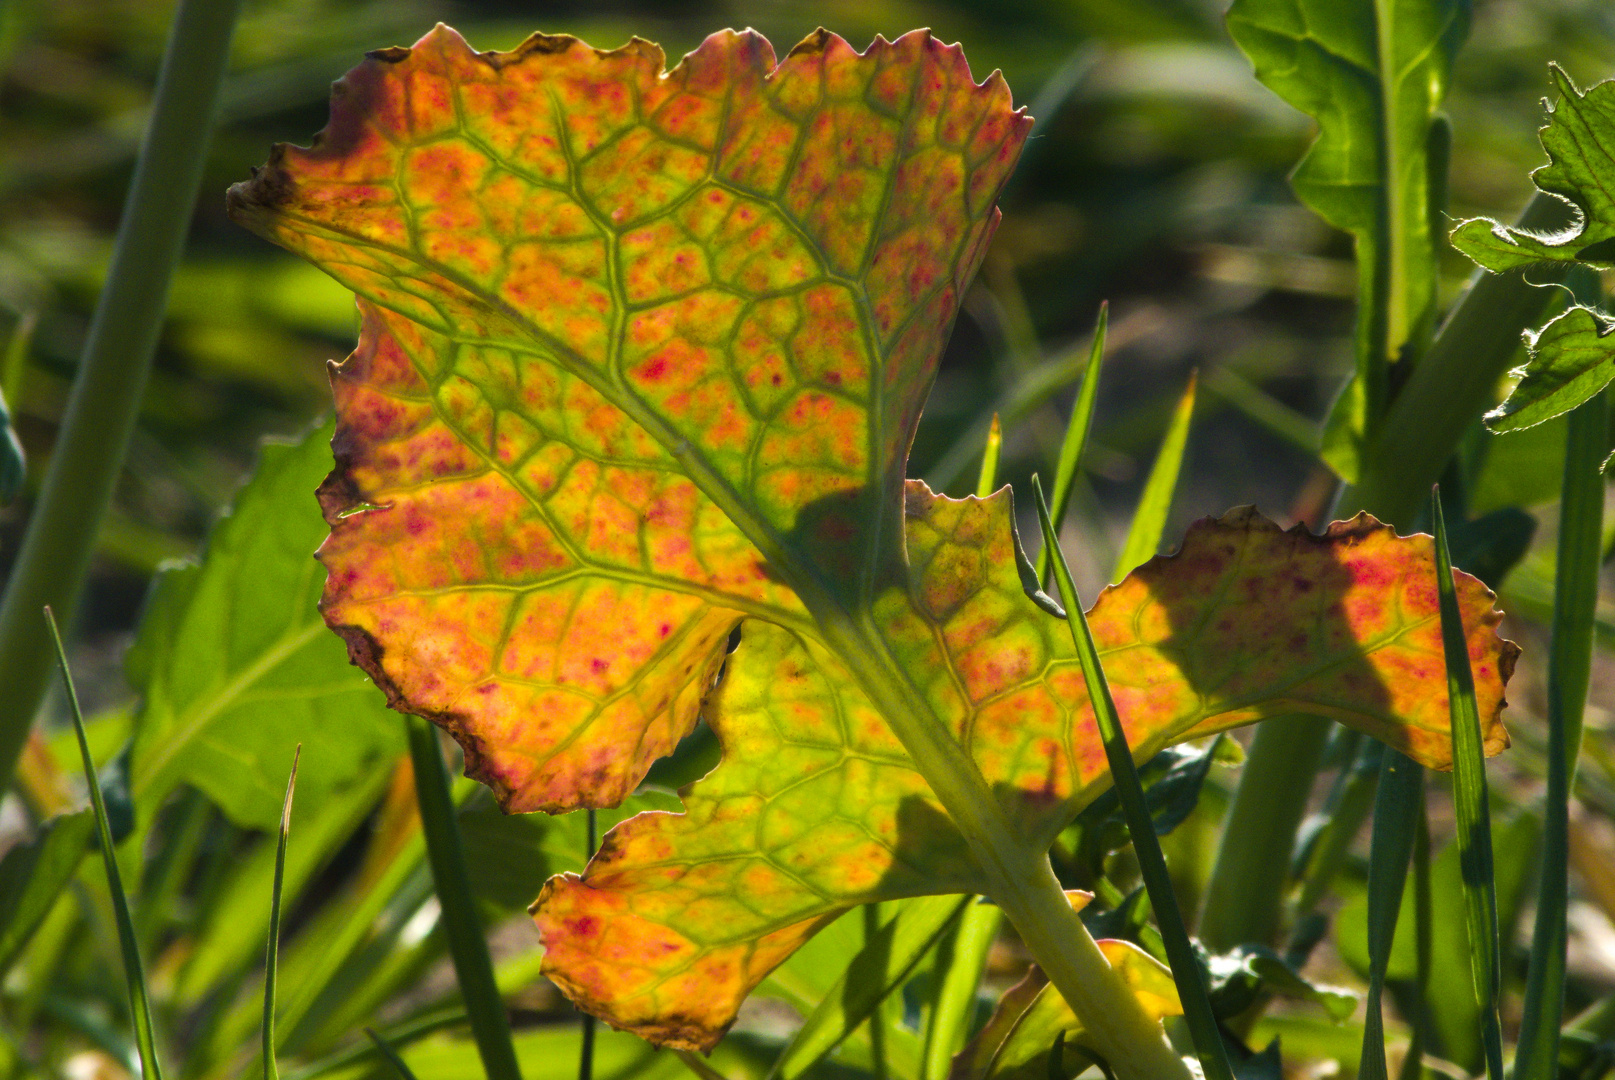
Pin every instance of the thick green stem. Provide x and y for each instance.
(1575, 596)
(1454, 382)
(94, 437)
(1245, 897)
(1017, 875)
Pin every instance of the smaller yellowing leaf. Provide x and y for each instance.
(816, 807)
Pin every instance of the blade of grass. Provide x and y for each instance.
(890, 954)
(1186, 972)
(391, 1055)
(462, 925)
(1470, 803)
(134, 973)
(1575, 597)
(1149, 517)
(1076, 435)
(955, 1004)
(272, 953)
(90, 447)
(989, 460)
(1398, 805)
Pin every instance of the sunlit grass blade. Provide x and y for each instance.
(1398, 805)
(1470, 804)
(391, 1055)
(586, 1042)
(1149, 517)
(272, 953)
(1575, 597)
(955, 1003)
(134, 972)
(1186, 973)
(989, 460)
(462, 924)
(887, 959)
(1076, 436)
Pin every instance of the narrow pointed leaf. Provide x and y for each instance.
(958, 984)
(1575, 599)
(1186, 972)
(396, 1063)
(1373, 75)
(134, 972)
(1471, 807)
(1076, 434)
(272, 953)
(988, 479)
(1149, 516)
(1398, 804)
(462, 923)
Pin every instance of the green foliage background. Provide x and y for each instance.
(1157, 179)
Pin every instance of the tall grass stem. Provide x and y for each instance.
(94, 436)
(462, 924)
(1575, 597)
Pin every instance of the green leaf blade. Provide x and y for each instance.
(1186, 973)
(1149, 517)
(1472, 806)
(1575, 596)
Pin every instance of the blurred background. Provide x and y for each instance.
(1155, 179)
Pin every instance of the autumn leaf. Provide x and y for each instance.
(817, 807)
(642, 356)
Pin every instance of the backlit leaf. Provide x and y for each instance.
(1571, 358)
(1373, 75)
(642, 356)
(1580, 140)
(816, 807)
